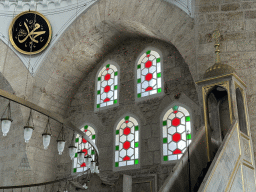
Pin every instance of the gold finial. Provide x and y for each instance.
(216, 36)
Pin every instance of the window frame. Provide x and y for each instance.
(128, 167)
(161, 129)
(162, 75)
(96, 82)
(96, 134)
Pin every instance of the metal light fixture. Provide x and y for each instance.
(47, 134)
(6, 121)
(61, 140)
(72, 148)
(28, 128)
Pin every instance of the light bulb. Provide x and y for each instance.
(28, 133)
(6, 125)
(61, 146)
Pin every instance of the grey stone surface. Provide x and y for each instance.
(65, 82)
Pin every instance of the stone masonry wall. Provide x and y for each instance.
(177, 80)
(236, 21)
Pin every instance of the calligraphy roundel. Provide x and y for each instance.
(30, 32)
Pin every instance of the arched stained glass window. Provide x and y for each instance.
(85, 146)
(149, 74)
(176, 133)
(107, 86)
(127, 142)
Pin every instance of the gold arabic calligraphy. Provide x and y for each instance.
(30, 34)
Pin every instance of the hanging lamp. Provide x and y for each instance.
(93, 166)
(81, 154)
(47, 134)
(28, 128)
(6, 121)
(97, 164)
(89, 161)
(72, 147)
(61, 141)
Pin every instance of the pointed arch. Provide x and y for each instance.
(149, 74)
(126, 143)
(176, 132)
(83, 145)
(107, 86)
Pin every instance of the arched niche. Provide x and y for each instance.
(218, 114)
(241, 111)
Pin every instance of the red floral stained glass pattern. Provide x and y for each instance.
(127, 131)
(149, 74)
(176, 137)
(126, 145)
(107, 89)
(149, 88)
(176, 133)
(127, 142)
(83, 145)
(175, 122)
(107, 86)
(126, 158)
(177, 151)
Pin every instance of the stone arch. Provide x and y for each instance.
(82, 44)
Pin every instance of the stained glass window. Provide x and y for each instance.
(85, 146)
(176, 133)
(149, 74)
(107, 86)
(127, 142)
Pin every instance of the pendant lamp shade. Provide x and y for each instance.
(89, 159)
(6, 125)
(72, 148)
(81, 156)
(28, 130)
(72, 151)
(97, 169)
(93, 166)
(61, 146)
(46, 139)
(6, 121)
(61, 140)
(47, 135)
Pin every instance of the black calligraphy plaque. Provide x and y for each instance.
(30, 32)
